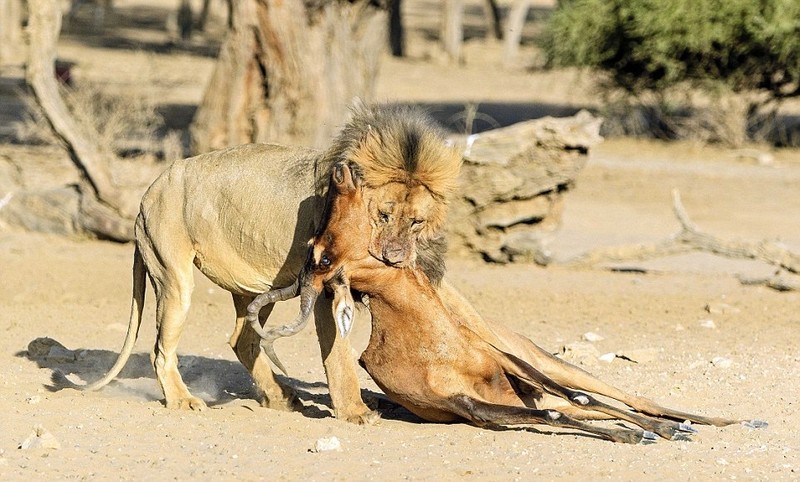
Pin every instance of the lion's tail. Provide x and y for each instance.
(137, 304)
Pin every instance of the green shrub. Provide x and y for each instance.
(651, 45)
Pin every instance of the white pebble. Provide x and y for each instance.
(327, 444)
(708, 324)
(592, 336)
(607, 357)
(721, 362)
(40, 438)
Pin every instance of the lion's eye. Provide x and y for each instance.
(417, 222)
(384, 217)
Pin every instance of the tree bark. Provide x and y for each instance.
(288, 70)
(102, 205)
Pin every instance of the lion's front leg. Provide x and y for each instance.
(340, 368)
(246, 344)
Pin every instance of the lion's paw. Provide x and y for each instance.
(370, 417)
(284, 404)
(187, 403)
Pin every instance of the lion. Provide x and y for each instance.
(244, 215)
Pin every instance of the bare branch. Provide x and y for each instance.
(689, 239)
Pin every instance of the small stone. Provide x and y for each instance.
(607, 357)
(327, 444)
(708, 324)
(766, 159)
(41, 347)
(34, 399)
(591, 337)
(40, 438)
(721, 362)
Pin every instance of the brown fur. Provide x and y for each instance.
(430, 352)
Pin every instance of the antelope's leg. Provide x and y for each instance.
(665, 428)
(483, 413)
(568, 375)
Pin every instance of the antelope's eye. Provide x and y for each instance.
(325, 261)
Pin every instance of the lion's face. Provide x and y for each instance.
(400, 216)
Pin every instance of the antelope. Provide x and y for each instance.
(430, 352)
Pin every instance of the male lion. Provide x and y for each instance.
(243, 217)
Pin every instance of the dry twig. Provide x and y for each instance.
(689, 239)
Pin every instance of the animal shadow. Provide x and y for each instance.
(216, 381)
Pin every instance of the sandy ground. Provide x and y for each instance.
(746, 364)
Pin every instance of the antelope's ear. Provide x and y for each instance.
(343, 177)
(343, 308)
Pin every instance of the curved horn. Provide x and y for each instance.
(308, 296)
(272, 296)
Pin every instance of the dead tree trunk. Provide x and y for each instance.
(287, 71)
(102, 203)
(453, 30)
(11, 46)
(513, 35)
(397, 34)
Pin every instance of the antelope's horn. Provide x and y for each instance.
(272, 296)
(308, 296)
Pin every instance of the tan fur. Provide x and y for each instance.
(383, 162)
(243, 217)
(379, 142)
(432, 353)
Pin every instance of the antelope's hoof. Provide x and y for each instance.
(648, 438)
(755, 424)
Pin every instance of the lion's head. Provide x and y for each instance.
(409, 173)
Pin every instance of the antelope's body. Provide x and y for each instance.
(432, 353)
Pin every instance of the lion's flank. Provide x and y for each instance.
(388, 143)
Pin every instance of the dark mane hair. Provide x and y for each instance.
(395, 143)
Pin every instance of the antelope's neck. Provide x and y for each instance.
(397, 294)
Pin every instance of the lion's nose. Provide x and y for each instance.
(393, 253)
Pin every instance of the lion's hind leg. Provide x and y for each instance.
(173, 281)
